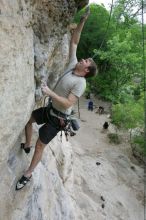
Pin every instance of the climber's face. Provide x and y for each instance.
(83, 65)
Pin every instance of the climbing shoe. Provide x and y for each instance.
(22, 182)
(26, 149)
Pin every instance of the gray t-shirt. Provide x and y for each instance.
(69, 83)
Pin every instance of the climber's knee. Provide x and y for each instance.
(31, 120)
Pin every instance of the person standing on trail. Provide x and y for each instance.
(90, 105)
(69, 88)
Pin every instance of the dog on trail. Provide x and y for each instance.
(105, 125)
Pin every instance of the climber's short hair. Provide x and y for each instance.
(92, 69)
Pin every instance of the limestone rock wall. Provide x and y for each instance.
(34, 41)
(16, 74)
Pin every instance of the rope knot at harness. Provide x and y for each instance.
(67, 129)
(63, 126)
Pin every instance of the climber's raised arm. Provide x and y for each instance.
(77, 33)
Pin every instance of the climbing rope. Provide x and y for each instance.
(106, 29)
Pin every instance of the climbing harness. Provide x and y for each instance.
(67, 123)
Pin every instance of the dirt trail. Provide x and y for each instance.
(108, 186)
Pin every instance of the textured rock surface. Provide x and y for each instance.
(34, 41)
(16, 74)
(45, 197)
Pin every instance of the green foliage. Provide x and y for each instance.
(129, 115)
(114, 138)
(125, 12)
(139, 141)
(120, 56)
(88, 90)
(137, 93)
(122, 62)
(94, 30)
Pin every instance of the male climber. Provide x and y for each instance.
(71, 86)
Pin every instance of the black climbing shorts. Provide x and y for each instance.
(50, 126)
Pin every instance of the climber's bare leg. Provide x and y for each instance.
(39, 148)
(28, 131)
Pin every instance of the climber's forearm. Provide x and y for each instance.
(64, 102)
(77, 32)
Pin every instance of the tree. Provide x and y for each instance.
(123, 62)
(126, 11)
(119, 59)
(94, 31)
